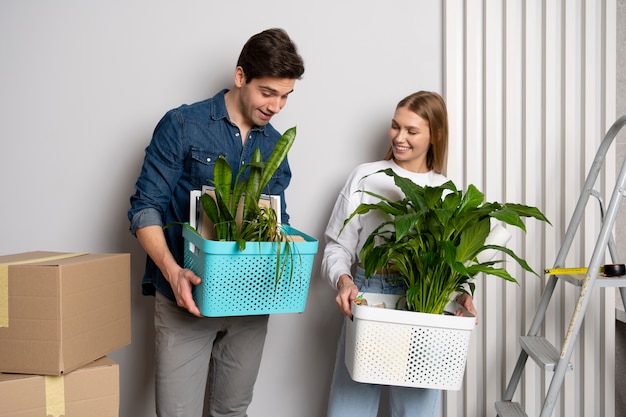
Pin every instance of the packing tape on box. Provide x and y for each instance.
(4, 281)
(55, 395)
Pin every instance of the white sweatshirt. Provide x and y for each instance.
(342, 251)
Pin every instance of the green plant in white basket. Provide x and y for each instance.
(432, 238)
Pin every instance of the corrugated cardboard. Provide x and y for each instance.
(92, 391)
(63, 313)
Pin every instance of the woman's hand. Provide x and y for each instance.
(468, 303)
(346, 294)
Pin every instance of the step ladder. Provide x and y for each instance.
(537, 347)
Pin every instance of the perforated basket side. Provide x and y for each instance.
(379, 350)
(407, 352)
(245, 283)
(437, 357)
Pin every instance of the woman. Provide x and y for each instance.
(419, 142)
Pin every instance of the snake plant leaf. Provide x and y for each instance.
(253, 189)
(278, 155)
(238, 190)
(210, 208)
(222, 178)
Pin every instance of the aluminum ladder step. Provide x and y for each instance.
(542, 352)
(509, 409)
(601, 281)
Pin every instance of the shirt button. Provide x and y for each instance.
(208, 159)
(236, 134)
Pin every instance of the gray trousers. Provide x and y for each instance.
(185, 345)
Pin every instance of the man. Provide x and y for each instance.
(180, 158)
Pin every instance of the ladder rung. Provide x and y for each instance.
(509, 409)
(542, 352)
(601, 281)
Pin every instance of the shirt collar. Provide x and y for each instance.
(219, 111)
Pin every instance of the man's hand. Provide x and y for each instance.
(182, 282)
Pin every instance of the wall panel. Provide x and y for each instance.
(530, 86)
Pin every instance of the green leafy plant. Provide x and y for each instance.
(242, 195)
(257, 224)
(432, 238)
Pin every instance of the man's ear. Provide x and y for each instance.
(240, 77)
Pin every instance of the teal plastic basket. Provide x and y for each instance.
(242, 283)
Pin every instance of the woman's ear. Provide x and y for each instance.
(438, 136)
(434, 136)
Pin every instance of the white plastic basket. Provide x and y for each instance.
(405, 348)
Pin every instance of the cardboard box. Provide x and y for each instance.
(60, 311)
(92, 390)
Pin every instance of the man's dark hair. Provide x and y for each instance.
(271, 53)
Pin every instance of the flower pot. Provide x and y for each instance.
(398, 347)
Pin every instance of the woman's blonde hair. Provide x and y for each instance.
(431, 107)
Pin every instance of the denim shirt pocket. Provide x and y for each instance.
(202, 165)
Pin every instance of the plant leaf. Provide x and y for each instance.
(222, 178)
(472, 240)
(253, 189)
(278, 155)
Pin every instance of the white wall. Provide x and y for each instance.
(82, 85)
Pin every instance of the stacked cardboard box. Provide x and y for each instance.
(60, 315)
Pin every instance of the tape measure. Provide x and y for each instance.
(565, 271)
(609, 270)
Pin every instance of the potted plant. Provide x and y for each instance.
(433, 237)
(239, 278)
(257, 223)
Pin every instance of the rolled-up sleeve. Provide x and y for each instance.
(160, 173)
(144, 218)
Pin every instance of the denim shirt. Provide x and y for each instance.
(181, 157)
